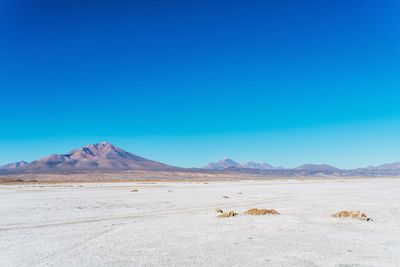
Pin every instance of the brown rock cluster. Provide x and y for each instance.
(352, 214)
(228, 214)
(255, 211)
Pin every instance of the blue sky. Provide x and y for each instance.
(187, 82)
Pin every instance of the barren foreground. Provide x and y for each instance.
(175, 224)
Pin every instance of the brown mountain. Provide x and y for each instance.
(98, 157)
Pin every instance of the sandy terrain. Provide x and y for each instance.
(175, 224)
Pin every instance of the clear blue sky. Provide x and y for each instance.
(187, 82)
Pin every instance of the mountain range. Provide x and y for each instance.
(228, 163)
(105, 156)
(262, 168)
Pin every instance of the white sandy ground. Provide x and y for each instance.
(174, 224)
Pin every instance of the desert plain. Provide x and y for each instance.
(175, 224)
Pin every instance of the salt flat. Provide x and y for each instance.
(174, 224)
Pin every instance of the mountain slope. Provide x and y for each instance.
(102, 156)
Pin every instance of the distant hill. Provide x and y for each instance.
(256, 165)
(97, 157)
(388, 166)
(387, 169)
(317, 168)
(221, 164)
(229, 163)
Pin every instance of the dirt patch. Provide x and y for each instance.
(255, 211)
(352, 214)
